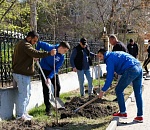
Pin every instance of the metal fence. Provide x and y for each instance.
(9, 38)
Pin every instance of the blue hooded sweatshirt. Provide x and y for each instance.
(47, 63)
(117, 62)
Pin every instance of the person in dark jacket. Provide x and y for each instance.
(132, 48)
(147, 61)
(117, 45)
(81, 61)
(23, 69)
(47, 65)
(126, 65)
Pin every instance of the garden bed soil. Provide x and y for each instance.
(98, 108)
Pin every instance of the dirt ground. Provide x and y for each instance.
(98, 108)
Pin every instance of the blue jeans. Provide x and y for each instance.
(134, 75)
(24, 93)
(89, 78)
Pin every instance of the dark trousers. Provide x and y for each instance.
(46, 89)
(146, 62)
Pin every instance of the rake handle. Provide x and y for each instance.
(38, 64)
(87, 103)
(48, 85)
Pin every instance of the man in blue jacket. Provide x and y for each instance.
(126, 65)
(117, 46)
(47, 64)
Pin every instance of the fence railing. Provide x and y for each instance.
(8, 39)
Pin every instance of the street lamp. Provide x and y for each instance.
(105, 39)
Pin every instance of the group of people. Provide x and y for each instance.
(23, 69)
(117, 61)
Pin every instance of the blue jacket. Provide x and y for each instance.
(47, 63)
(117, 62)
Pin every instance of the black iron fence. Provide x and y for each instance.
(9, 38)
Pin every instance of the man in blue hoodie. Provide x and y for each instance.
(47, 65)
(117, 46)
(126, 65)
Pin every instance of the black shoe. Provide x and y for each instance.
(91, 97)
(62, 108)
(115, 100)
(48, 114)
(82, 96)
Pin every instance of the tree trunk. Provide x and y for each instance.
(33, 15)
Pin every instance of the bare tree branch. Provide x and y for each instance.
(1, 1)
(101, 14)
(8, 10)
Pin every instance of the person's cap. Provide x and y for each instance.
(83, 41)
(131, 40)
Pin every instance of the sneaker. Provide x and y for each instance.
(120, 115)
(29, 116)
(138, 119)
(24, 118)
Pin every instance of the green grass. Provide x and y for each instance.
(39, 113)
(96, 82)
(64, 96)
(82, 123)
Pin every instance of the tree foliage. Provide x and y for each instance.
(78, 17)
(14, 15)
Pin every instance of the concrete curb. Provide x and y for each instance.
(114, 122)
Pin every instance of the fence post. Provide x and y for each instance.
(66, 55)
(1, 78)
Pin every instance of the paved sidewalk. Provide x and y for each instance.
(131, 110)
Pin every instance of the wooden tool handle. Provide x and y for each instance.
(38, 64)
(87, 103)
